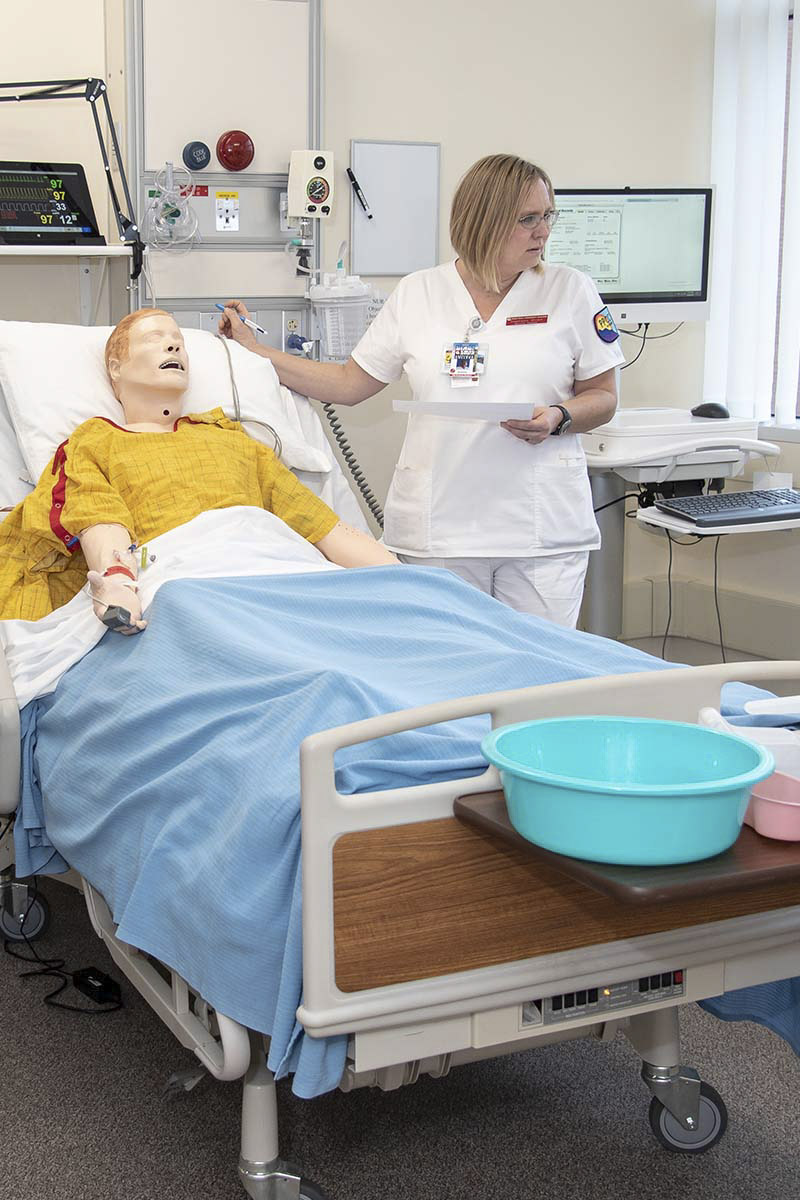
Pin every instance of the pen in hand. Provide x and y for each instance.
(362, 199)
(245, 320)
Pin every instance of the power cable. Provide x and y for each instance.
(669, 599)
(641, 348)
(94, 984)
(618, 500)
(674, 542)
(716, 599)
(653, 337)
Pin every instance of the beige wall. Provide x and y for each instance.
(53, 41)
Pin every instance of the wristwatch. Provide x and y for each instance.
(564, 423)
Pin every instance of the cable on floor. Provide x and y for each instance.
(91, 982)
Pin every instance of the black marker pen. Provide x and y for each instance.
(361, 197)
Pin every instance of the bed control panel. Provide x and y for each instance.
(605, 998)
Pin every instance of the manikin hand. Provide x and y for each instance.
(231, 327)
(116, 592)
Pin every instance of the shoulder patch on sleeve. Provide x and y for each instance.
(604, 326)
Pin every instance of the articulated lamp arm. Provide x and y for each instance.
(91, 90)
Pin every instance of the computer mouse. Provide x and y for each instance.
(710, 409)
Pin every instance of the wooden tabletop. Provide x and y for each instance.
(751, 862)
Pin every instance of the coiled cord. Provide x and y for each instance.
(352, 463)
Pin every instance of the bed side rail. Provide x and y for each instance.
(9, 740)
(669, 695)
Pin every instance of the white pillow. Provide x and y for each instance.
(54, 378)
(13, 471)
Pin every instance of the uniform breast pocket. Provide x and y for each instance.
(407, 522)
(562, 505)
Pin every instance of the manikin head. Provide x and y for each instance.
(148, 367)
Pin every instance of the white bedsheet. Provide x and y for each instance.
(219, 544)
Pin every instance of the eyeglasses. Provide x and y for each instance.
(531, 220)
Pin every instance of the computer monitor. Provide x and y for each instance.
(647, 249)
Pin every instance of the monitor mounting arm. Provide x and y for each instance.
(91, 90)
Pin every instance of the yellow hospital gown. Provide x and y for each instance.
(148, 482)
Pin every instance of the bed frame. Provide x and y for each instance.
(431, 943)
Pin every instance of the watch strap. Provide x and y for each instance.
(566, 418)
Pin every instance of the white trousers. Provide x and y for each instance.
(550, 586)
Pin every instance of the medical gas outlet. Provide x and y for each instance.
(310, 188)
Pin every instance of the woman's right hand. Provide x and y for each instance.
(230, 326)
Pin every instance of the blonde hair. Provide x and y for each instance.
(118, 344)
(485, 210)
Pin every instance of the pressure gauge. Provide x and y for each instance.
(317, 189)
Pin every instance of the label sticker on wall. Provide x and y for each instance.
(227, 209)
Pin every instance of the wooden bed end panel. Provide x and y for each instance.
(435, 897)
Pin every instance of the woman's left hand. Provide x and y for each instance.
(542, 423)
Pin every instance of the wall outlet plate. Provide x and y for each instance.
(227, 212)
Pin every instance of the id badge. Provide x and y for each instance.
(464, 363)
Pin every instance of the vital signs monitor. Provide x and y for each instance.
(646, 249)
(46, 204)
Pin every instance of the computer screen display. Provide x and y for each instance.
(647, 250)
(46, 204)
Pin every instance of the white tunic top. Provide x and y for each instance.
(467, 487)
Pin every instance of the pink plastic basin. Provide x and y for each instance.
(774, 808)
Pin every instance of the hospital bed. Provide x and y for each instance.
(428, 943)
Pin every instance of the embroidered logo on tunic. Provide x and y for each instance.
(604, 326)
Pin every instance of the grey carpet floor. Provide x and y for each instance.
(82, 1116)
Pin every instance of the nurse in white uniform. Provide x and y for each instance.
(505, 505)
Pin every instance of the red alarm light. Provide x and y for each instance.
(235, 150)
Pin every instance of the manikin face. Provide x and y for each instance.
(155, 373)
(524, 246)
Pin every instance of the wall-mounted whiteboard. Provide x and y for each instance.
(400, 182)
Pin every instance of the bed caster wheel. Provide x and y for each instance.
(711, 1126)
(310, 1191)
(36, 921)
(272, 1186)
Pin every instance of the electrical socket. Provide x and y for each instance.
(227, 212)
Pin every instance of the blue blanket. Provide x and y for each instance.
(165, 767)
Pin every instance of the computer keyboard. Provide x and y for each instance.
(735, 508)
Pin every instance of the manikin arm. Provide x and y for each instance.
(112, 572)
(349, 547)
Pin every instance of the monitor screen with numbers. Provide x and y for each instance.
(647, 250)
(46, 204)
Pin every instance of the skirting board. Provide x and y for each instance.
(759, 625)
